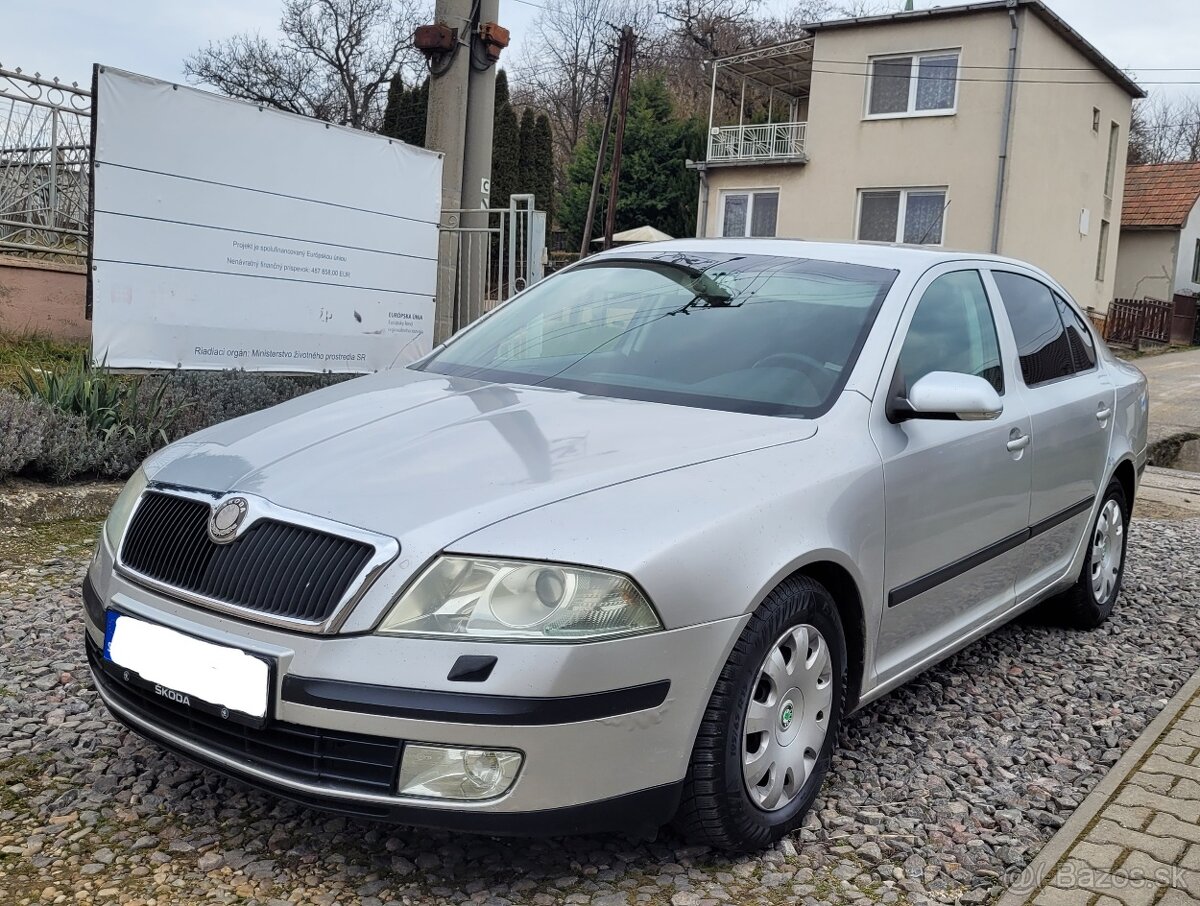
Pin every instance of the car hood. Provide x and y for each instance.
(409, 453)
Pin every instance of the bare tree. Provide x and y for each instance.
(333, 60)
(566, 65)
(1165, 129)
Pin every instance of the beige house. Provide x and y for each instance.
(1159, 253)
(992, 127)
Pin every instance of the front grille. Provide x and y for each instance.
(275, 568)
(309, 754)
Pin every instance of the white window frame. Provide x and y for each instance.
(750, 193)
(902, 213)
(912, 111)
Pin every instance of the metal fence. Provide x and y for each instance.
(1132, 321)
(45, 181)
(493, 253)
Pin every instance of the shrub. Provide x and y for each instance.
(81, 420)
(23, 426)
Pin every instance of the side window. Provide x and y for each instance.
(1083, 347)
(952, 330)
(1041, 338)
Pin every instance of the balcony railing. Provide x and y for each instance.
(760, 142)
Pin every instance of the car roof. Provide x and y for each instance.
(873, 254)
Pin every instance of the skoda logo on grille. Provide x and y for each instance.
(226, 519)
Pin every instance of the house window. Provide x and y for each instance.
(1096, 120)
(749, 213)
(1102, 254)
(1114, 133)
(913, 216)
(1196, 264)
(913, 84)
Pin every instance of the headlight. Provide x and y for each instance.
(118, 518)
(514, 599)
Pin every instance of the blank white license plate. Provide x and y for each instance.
(187, 671)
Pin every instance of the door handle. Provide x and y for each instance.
(1017, 442)
(1103, 412)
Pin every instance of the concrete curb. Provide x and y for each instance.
(1025, 888)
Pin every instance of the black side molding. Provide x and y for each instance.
(922, 584)
(470, 708)
(1060, 517)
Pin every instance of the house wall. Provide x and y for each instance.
(43, 297)
(1056, 163)
(1187, 253)
(847, 152)
(1057, 166)
(1146, 264)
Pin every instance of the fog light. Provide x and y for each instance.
(440, 772)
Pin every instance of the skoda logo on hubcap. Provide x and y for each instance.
(226, 519)
(785, 716)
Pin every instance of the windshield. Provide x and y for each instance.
(763, 334)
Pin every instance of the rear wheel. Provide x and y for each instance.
(1089, 602)
(766, 739)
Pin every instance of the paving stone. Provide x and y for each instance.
(1185, 810)
(1098, 855)
(1132, 818)
(1177, 897)
(1157, 764)
(1182, 754)
(1163, 825)
(1055, 896)
(1164, 849)
(1191, 861)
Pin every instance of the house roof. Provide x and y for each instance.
(1037, 7)
(1160, 196)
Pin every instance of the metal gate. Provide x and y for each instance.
(491, 255)
(45, 183)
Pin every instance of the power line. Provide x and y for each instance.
(1034, 68)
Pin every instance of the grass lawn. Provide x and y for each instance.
(38, 350)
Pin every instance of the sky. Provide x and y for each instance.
(64, 37)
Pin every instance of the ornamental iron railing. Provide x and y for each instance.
(45, 179)
(759, 142)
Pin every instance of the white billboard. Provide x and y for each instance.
(228, 235)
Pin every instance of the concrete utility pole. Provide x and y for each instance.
(462, 47)
(477, 173)
(446, 132)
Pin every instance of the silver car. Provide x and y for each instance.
(629, 548)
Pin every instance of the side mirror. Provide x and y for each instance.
(947, 395)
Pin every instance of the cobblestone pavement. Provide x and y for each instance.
(941, 792)
(1136, 839)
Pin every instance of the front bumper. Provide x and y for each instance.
(595, 758)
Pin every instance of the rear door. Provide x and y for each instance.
(956, 493)
(1070, 402)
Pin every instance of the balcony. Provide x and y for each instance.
(766, 83)
(759, 143)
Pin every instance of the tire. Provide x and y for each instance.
(1089, 602)
(717, 806)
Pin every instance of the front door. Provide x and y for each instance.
(956, 493)
(1070, 404)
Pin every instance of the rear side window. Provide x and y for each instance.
(1042, 341)
(1083, 347)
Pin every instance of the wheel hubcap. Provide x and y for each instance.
(1108, 547)
(787, 717)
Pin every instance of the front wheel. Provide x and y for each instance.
(767, 735)
(1089, 602)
